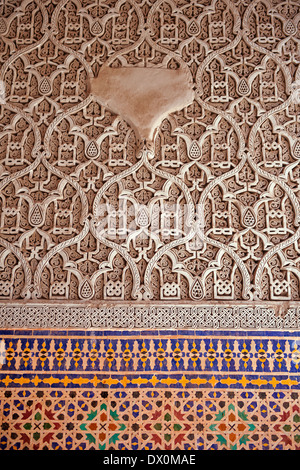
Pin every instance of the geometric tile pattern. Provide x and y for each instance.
(148, 420)
(149, 390)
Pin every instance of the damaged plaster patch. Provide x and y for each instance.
(143, 96)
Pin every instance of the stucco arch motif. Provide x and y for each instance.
(222, 147)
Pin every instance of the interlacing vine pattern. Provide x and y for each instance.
(233, 153)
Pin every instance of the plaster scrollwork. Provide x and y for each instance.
(207, 211)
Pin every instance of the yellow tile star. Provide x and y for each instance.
(274, 382)
(66, 381)
(213, 381)
(184, 381)
(36, 381)
(125, 381)
(154, 381)
(95, 381)
(7, 381)
(244, 381)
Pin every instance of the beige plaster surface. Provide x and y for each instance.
(143, 96)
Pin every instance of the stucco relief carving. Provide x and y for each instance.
(211, 203)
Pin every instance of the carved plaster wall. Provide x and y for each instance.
(212, 190)
(149, 180)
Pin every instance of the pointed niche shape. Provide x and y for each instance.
(249, 219)
(45, 86)
(290, 28)
(3, 26)
(195, 151)
(296, 149)
(143, 217)
(243, 88)
(86, 290)
(92, 150)
(197, 291)
(193, 28)
(36, 216)
(96, 28)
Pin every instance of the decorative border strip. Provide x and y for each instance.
(143, 352)
(278, 316)
(146, 382)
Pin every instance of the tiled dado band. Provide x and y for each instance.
(210, 315)
(148, 358)
(86, 377)
(144, 389)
